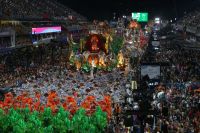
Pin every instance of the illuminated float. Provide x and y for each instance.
(95, 52)
(94, 45)
(120, 58)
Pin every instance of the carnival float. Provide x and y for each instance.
(135, 40)
(99, 50)
(103, 50)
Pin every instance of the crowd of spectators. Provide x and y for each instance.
(191, 19)
(36, 9)
(176, 110)
(180, 64)
(22, 41)
(10, 30)
(183, 68)
(5, 42)
(68, 82)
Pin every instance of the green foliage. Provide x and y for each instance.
(75, 47)
(86, 67)
(58, 121)
(24, 121)
(117, 44)
(112, 66)
(109, 68)
(99, 120)
(34, 123)
(81, 121)
(72, 60)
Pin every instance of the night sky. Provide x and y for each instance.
(104, 9)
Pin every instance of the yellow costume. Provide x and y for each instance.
(120, 59)
(101, 62)
(108, 40)
(82, 43)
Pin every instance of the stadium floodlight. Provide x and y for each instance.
(157, 20)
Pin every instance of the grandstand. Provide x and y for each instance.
(36, 9)
(190, 24)
(191, 19)
(20, 16)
